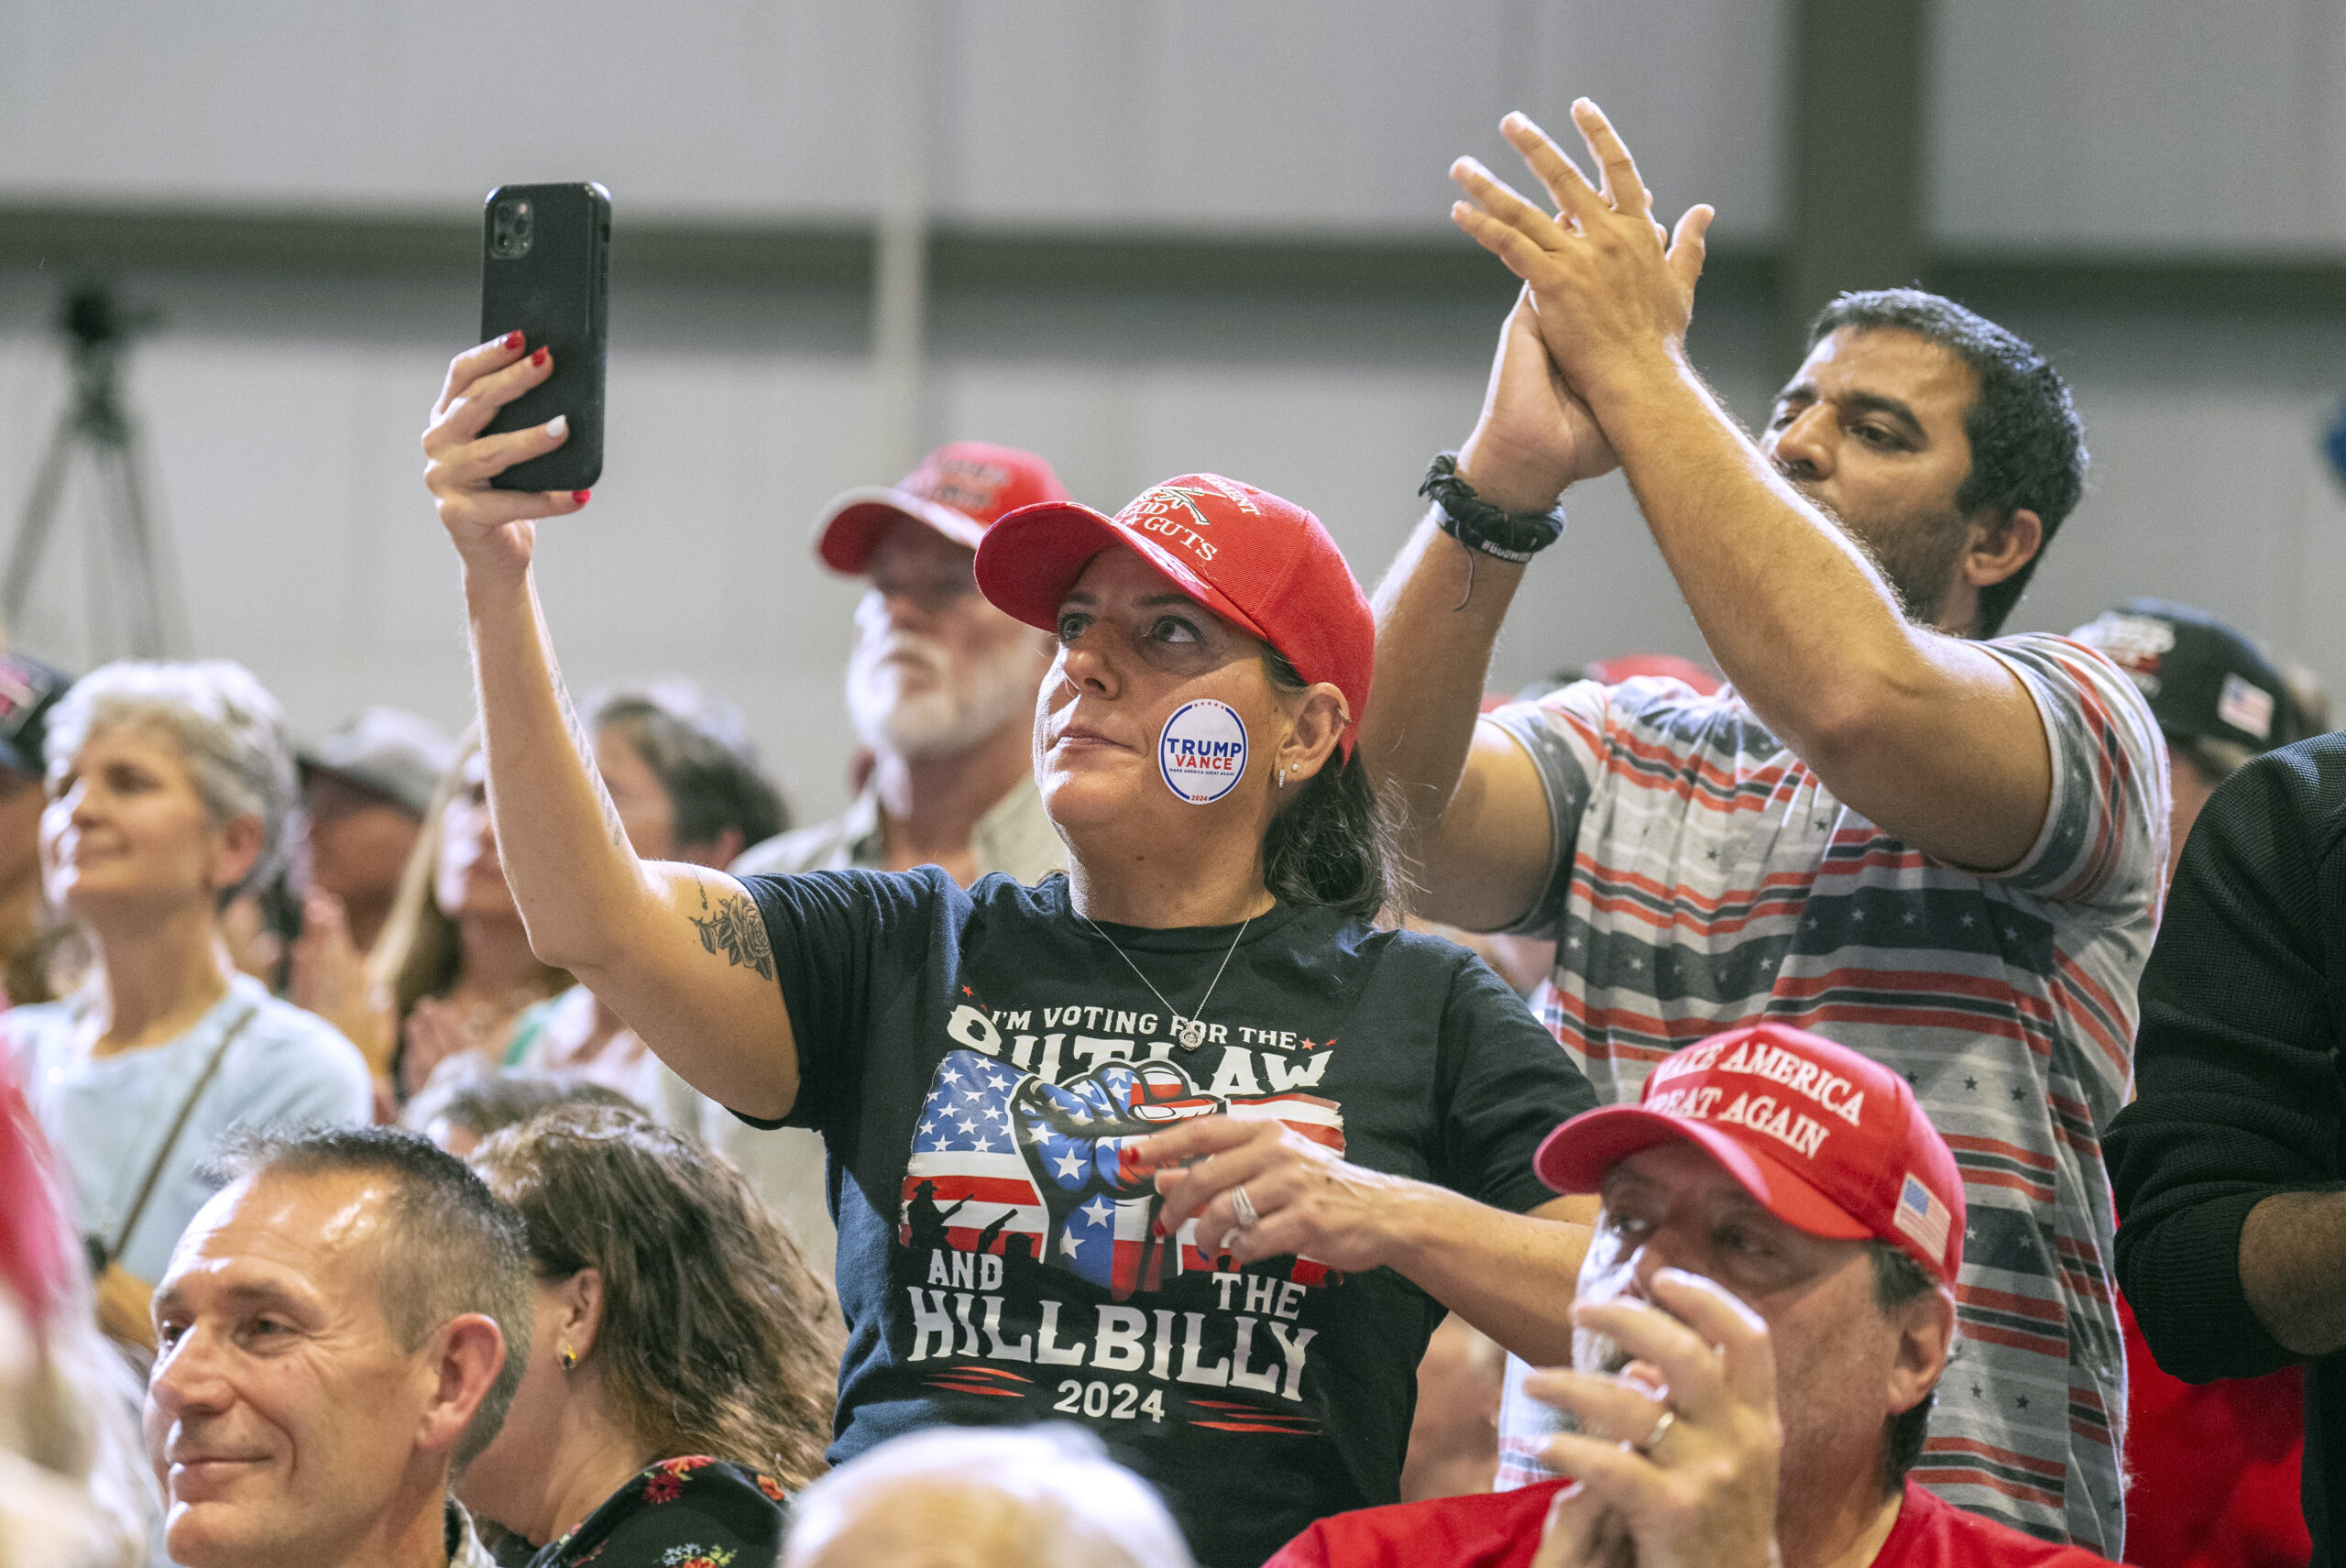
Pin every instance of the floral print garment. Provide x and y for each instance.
(694, 1512)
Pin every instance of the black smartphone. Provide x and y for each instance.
(544, 273)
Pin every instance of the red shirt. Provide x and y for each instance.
(1501, 1529)
(2216, 1465)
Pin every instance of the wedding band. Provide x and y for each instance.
(1243, 1207)
(1669, 1419)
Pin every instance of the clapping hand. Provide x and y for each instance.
(1675, 1460)
(439, 1032)
(1613, 293)
(329, 978)
(1536, 436)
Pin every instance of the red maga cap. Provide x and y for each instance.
(960, 489)
(1262, 564)
(1828, 1141)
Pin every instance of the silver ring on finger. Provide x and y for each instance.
(1661, 1428)
(1243, 1207)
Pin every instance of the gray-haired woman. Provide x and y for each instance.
(169, 786)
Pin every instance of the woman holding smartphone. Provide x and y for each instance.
(1180, 1145)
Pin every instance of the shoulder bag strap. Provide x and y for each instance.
(179, 1126)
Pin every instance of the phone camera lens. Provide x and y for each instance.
(509, 230)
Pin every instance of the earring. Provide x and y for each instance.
(1282, 777)
(569, 1359)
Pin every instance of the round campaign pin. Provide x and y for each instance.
(1203, 750)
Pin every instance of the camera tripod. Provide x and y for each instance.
(141, 597)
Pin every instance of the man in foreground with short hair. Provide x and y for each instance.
(941, 689)
(1931, 843)
(1760, 1327)
(340, 1331)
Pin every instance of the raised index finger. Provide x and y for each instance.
(1623, 187)
(474, 363)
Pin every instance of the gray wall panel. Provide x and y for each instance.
(2126, 124)
(1163, 115)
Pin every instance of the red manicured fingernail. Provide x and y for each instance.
(578, 497)
(510, 340)
(539, 358)
(1157, 1226)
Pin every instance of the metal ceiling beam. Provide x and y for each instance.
(1860, 72)
(820, 254)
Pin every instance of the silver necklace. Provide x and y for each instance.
(1192, 1033)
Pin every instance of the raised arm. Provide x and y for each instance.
(679, 951)
(1476, 816)
(1924, 733)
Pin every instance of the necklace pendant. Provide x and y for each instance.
(1193, 1035)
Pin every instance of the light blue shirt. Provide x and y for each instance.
(108, 1116)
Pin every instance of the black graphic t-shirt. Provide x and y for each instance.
(982, 1066)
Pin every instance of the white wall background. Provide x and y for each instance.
(2127, 124)
(284, 412)
(1220, 113)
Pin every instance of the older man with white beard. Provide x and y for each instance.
(941, 689)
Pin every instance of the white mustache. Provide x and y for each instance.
(911, 646)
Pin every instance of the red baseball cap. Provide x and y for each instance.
(1828, 1141)
(960, 489)
(1668, 666)
(1262, 564)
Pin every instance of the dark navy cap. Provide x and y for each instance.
(29, 689)
(2204, 680)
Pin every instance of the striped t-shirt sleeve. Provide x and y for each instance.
(2104, 838)
(1570, 737)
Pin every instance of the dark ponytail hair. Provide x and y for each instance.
(1335, 845)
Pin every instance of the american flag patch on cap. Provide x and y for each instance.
(1922, 1217)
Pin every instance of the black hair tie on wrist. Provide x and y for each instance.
(1474, 523)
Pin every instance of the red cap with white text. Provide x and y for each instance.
(1262, 564)
(959, 489)
(1829, 1141)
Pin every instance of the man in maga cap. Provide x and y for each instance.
(1762, 1324)
(941, 691)
(941, 683)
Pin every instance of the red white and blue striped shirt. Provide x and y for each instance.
(1706, 878)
